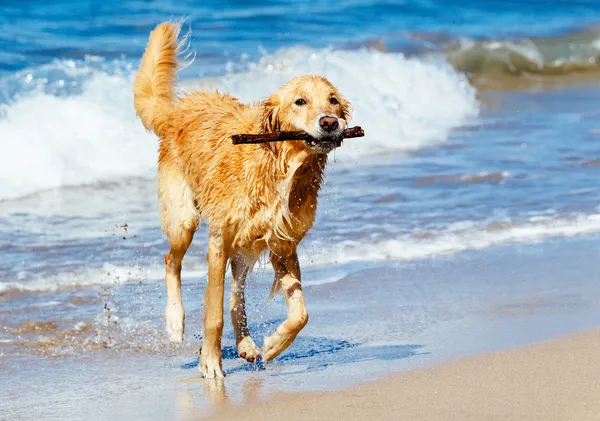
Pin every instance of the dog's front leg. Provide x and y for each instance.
(287, 273)
(210, 357)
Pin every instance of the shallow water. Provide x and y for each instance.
(379, 319)
(431, 218)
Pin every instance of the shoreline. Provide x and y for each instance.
(411, 315)
(556, 379)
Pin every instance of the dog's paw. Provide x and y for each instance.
(175, 323)
(248, 350)
(275, 345)
(210, 364)
(269, 350)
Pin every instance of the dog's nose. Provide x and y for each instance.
(329, 124)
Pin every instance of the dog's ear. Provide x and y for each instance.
(345, 107)
(270, 118)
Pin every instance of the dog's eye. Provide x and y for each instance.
(300, 102)
(333, 101)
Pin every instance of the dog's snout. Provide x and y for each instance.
(329, 124)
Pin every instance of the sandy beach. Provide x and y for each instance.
(555, 380)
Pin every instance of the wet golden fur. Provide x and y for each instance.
(254, 198)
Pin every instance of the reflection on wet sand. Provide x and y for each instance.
(251, 383)
(215, 394)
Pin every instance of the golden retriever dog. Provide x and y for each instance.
(254, 198)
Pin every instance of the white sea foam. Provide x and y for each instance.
(49, 141)
(456, 238)
(108, 275)
(403, 104)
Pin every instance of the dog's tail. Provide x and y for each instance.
(153, 94)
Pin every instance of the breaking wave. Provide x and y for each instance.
(73, 123)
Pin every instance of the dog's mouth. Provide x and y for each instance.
(325, 144)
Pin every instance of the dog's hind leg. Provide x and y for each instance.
(210, 356)
(287, 273)
(247, 349)
(179, 221)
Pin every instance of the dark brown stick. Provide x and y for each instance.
(244, 139)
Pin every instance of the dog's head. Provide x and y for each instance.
(312, 104)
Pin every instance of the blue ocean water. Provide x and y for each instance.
(482, 125)
(36, 32)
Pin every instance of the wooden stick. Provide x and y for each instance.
(244, 139)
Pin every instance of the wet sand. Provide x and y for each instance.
(556, 380)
